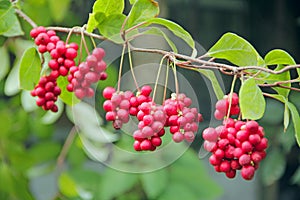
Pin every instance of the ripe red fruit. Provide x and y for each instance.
(247, 172)
(108, 92)
(210, 134)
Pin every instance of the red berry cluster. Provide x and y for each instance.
(222, 106)
(174, 113)
(117, 106)
(91, 71)
(182, 120)
(150, 127)
(47, 92)
(236, 145)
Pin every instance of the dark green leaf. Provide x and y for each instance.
(111, 26)
(214, 82)
(273, 167)
(279, 57)
(30, 68)
(236, 50)
(9, 23)
(176, 30)
(59, 9)
(103, 8)
(115, 183)
(44, 151)
(5, 65)
(67, 97)
(152, 186)
(296, 120)
(252, 101)
(141, 11)
(296, 177)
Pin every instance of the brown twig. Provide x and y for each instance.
(26, 18)
(76, 31)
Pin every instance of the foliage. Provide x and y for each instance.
(30, 148)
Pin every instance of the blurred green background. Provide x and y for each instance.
(31, 140)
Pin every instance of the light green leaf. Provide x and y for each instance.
(272, 78)
(106, 8)
(252, 101)
(30, 68)
(67, 97)
(273, 167)
(111, 26)
(296, 120)
(12, 83)
(159, 32)
(67, 185)
(178, 190)
(9, 23)
(236, 50)
(51, 117)
(5, 64)
(286, 117)
(153, 188)
(114, 183)
(27, 101)
(210, 75)
(176, 30)
(44, 151)
(132, 1)
(59, 9)
(279, 57)
(141, 11)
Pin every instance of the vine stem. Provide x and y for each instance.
(176, 79)
(131, 69)
(62, 156)
(121, 67)
(84, 42)
(26, 18)
(157, 77)
(230, 95)
(166, 80)
(77, 30)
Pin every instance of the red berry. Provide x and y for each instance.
(247, 172)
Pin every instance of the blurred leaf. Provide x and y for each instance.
(177, 190)
(6, 123)
(279, 57)
(67, 185)
(5, 63)
(115, 183)
(12, 83)
(236, 50)
(177, 30)
(59, 9)
(9, 24)
(51, 117)
(273, 167)
(132, 1)
(296, 177)
(111, 26)
(287, 140)
(273, 116)
(101, 9)
(44, 151)
(159, 32)
(38, 11)
(154, 183)
(27, 101)
(30, 68)
(76, 155)
(67, 97)
(141, 11)
(40, 170)
(7, 183)
(296, 120)
(252, 101)
(210, 75)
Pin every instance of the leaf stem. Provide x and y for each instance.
(131, 69)
(120, 68)
(157, 77)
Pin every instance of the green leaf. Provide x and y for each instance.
(44, 151)
(59, 9)
(30, 68)
(103, 8)
(67, 185)
(159, 32)
(115, 183)
(176, 30)
(12, 83)
(51, 117)
(27, 101)
(9, 23)
(286, 117)
(132, 1)
(111, 26)
(272, 78)
(273, 167)
(252, 101)
(5, 65)
(177, 190)
(296, 120)
(296, 177)
(67, 97)
(210, 75)
(279, 57)
(236, 50)
(141, 11)
(153, 188)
